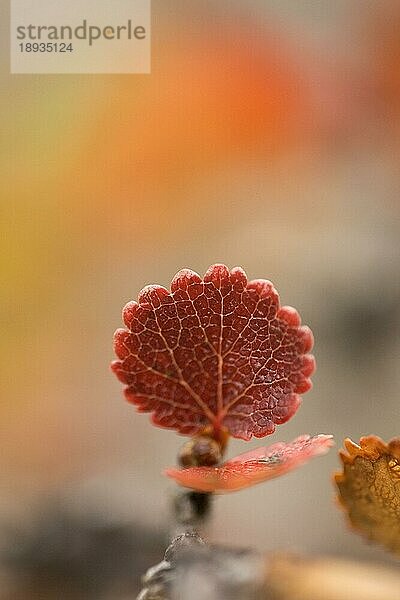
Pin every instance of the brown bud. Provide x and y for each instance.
(200, 451)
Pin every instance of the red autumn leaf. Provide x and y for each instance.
(253, 467)
(217, 352)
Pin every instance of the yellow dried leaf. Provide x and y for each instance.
(369, 489)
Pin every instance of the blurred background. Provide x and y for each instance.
(266, 136)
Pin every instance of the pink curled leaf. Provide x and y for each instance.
(253, 467)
